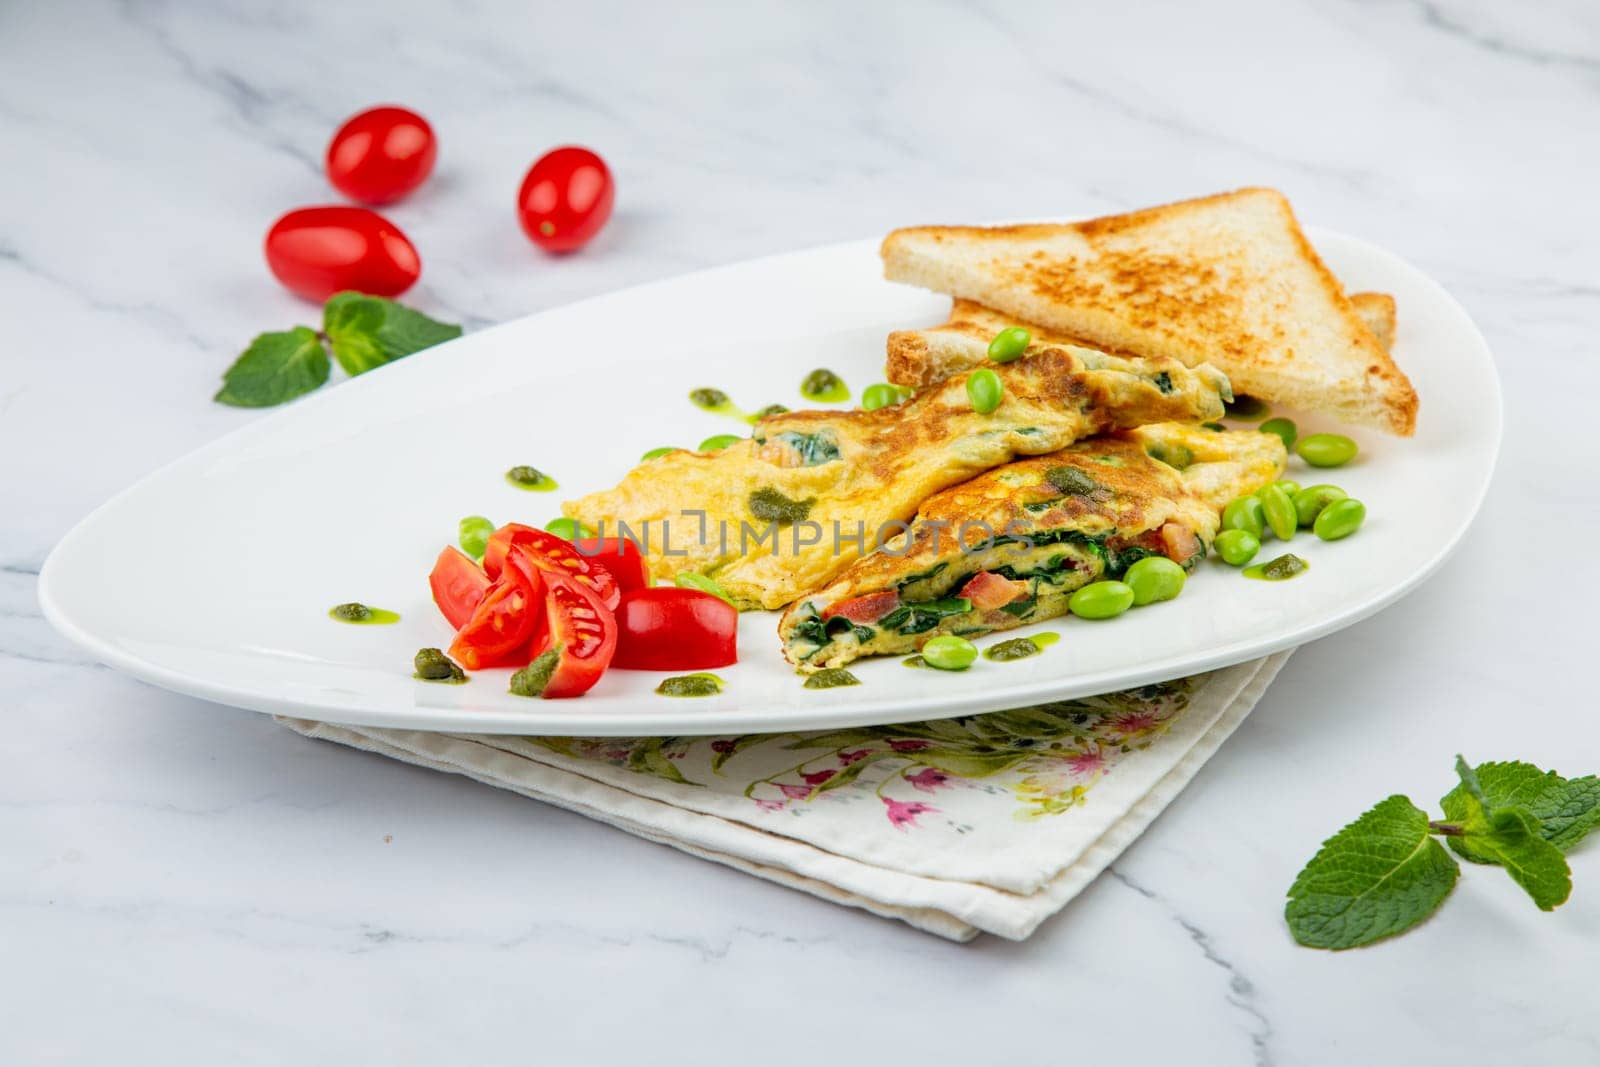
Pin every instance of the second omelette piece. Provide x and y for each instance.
(787, 510)
(1010, 546)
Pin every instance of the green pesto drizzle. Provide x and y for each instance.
(690, 685)
(531, 479)
(1281, 569)
(831, 678)
(359, 614)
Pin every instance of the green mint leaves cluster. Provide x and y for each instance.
(1386, 872)
(363, 331)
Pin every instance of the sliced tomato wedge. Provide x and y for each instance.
(1178, 542)
(459, 586)
(869, 607)
(620, 556)
(551, 554)
(670, 629)
(507, 624)
(578, 626)
(988, 590)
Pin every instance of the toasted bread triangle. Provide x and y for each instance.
(1227, 279)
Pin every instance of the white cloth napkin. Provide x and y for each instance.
(987, 823)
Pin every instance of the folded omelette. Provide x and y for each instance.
(787, 510)
(1010, 546)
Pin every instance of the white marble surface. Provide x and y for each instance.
(182, 883)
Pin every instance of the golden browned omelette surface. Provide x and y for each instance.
(786, 510)
(1045, 525)
(1227, 279)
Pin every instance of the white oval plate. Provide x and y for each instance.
(213, 576)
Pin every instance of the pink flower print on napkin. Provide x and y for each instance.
(847, 758)
(818, 777)
(908, 745)
(903, 814)
(929, 779)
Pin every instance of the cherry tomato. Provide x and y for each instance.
(620, 556)
(381, 154)
(506, 625)
(549, 553)
(670, 629)
(579, 627)
(565, 199)
(318, 251)
(458, 585)
(869, 607)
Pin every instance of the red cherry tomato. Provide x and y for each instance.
(458, 585)
(318, 251)
(669, 629)
(565, 199)
(620, 556)
(381, 154)
(506, 625)
(579, 627)
(549, 553)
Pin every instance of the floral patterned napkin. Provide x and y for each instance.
(957, 826)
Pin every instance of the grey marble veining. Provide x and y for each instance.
(180, 882)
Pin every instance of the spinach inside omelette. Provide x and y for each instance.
(1017, 541)
(784, 512)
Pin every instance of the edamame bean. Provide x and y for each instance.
(878, 396)
(473, 533)
(1009, 344)
(949, 653)
(718, 442)
(1284, 428)
(1292, 488)
(1100, 600)
(1245, 513)
(1340, 519)
(1309, 502)
(1326, 449)
(1154, 578)
(1278, 509)
(984, 390)
(655, 452)
(567, 529)
(691, 580)
(1237, 547)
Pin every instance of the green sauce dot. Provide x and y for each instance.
(531, 680)
(824, 386)
(831, 678)
(690, 685)
(362, 615)
(1285, 566)
(432, 665)
(1016, 648)
(530, 478)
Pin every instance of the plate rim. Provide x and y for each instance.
(738, 720)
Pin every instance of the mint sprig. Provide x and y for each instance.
(363, 331)
(275, 368)
(369, 331)
(1386, 872)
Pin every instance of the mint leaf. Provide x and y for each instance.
(275, 368)
(1378, 877)
(1532, 862)
(1510, 837)
(1566, 809)
(369, 331)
